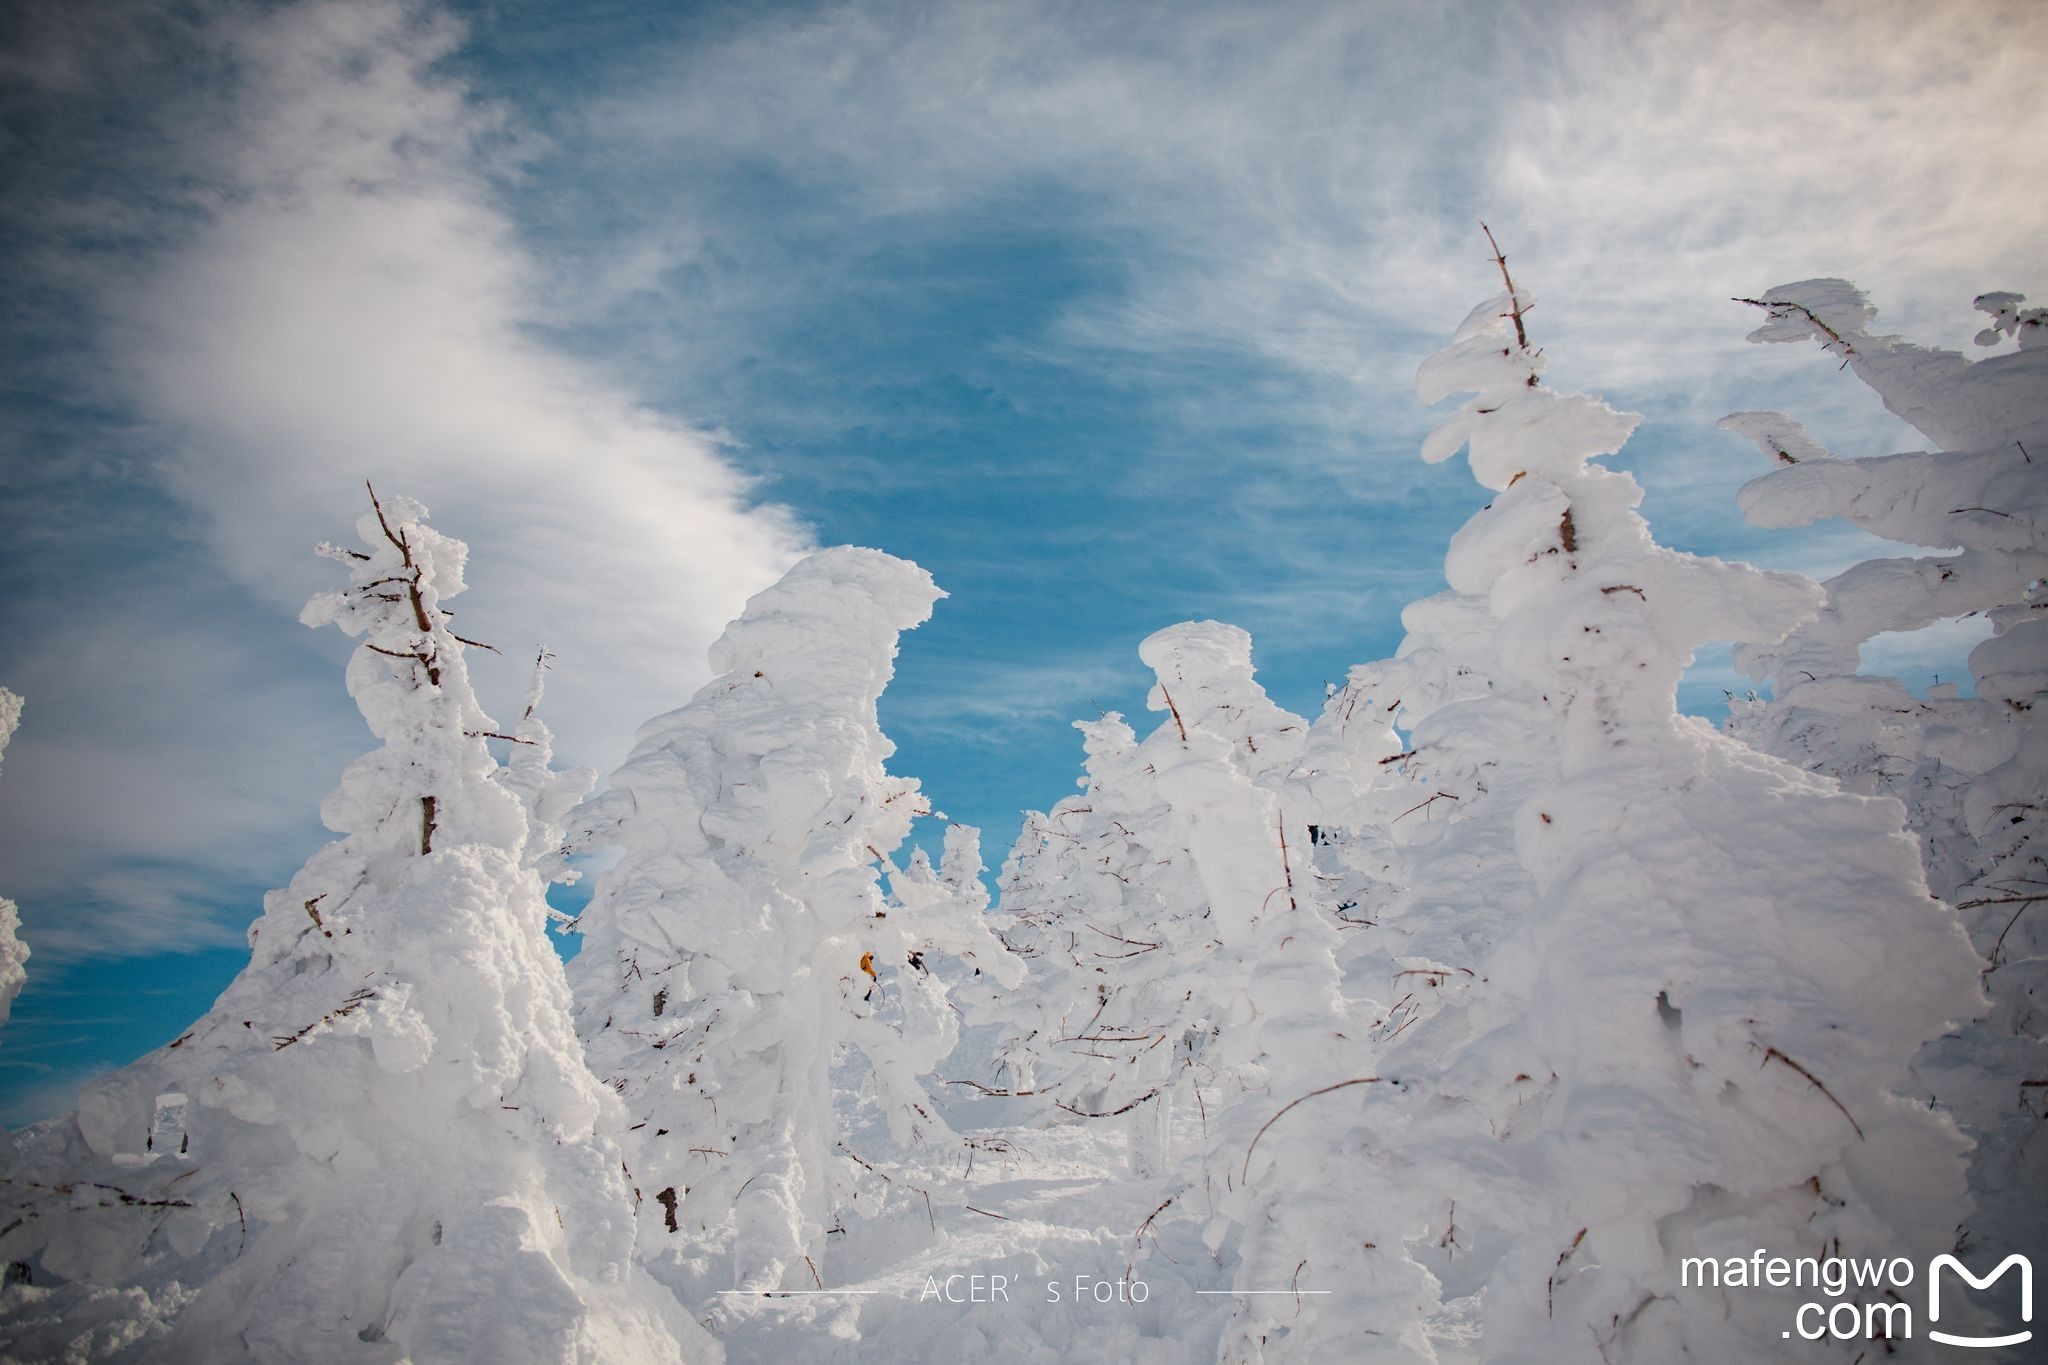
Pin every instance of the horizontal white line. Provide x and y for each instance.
(792, 1293)
(1265, 1291)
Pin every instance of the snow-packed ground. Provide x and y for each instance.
(1053, 1212)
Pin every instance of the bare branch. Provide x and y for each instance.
(1772, 1054)
(1134, 942)
(1245, 1173)
(389, 534)
(1774, 307)
(1286, 868)
(1177, 722)
(1109, 1113)
(341, 1011)
(991, 1090)
(1138, 1237)
(1514, 299)
(1440, 796)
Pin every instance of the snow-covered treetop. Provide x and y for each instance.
(1480, 357)
(1959, 405)
(1585, 597)
(845, 601)
(800, 672)
(1103, 738)
(10, 716)
(429, 781)
(13, 953)
(1204, 679)
(2027, 326)
(1516, 427)
(1983, 491)
(960, 866)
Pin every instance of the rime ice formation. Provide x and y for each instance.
(382, 1143)
(548, 793)
(743, 940)
(1971, 771)
(1166, 909)
(1620, 1008)
(13, 952)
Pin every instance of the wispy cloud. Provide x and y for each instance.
(1303, 181)
(1665, 156)
(992, 704)
(284, 226)
(353, 303)
(176, 745)
(1280, 207)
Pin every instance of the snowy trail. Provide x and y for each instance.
(1037, 1207)
(1066, 1210)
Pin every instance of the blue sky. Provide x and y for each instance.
(1107, 315)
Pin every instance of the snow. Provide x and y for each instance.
(1958, 405)
(1600, 955)
(388, 1146)
(744, 939)
(1971, 772)
(1783, 439)
(13, 952)
(1440, 1027)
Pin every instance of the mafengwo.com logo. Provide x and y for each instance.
(1870, 1299)
(2012, 1262)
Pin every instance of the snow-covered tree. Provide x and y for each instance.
(1972, 771)
(1152, 904)
(548, 793)
(381, 1143)
(1649, 1034)
(13, 952)
(1100, 901)
(957, 957)
(1417, 866)
(743, 940)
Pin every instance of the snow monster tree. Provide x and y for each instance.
(1672, 1049)
(381, 1143)
(743, 941)
(1972, 771)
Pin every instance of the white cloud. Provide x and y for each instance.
(1305, 180)
(175, 747)
(353, 304)
(318, 285)
(1662, 158)
(1303, 183)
